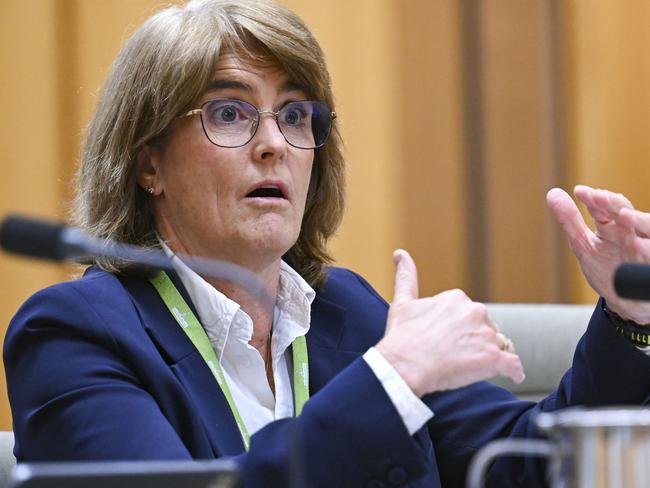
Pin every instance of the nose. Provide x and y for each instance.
(269, 142)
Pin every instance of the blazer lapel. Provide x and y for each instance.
(326, 358)
(187, 364)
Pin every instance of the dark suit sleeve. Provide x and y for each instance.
(73, 397)
(606, 370)
(349, 434)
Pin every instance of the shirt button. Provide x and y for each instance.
(397, 476)
(246, 362)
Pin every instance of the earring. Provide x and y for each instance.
(149, 190)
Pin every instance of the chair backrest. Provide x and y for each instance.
(545, 337)
(7, 459)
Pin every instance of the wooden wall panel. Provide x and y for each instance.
(609, 101)
(30, 144)
(520, 162)
(429, 109)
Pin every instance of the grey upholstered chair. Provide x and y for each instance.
(7, 459)
(545, 337)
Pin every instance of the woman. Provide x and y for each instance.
(215, 136)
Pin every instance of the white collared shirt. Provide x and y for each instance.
(230, 329)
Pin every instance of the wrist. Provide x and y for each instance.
(637, 334)
(411, 375)
(636, 313)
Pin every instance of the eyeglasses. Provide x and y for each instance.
(233, 123)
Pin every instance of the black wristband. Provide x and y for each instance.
(639, 335)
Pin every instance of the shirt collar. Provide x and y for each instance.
(217, 312)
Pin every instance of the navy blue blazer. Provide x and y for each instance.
(97, 369)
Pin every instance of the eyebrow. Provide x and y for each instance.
(291, 85)
(227, 84)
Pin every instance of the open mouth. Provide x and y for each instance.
(266, 192)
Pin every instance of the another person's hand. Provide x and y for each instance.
(621, 234)
(445, 341)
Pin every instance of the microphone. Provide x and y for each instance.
(632, 280)
(46, 240)
(57, 242)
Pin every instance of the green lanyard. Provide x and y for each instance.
(195, 332)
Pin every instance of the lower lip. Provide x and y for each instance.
(268, 201)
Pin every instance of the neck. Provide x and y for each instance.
(267, 271)
(261, 313)
(259, 310)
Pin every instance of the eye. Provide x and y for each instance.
(228, 112)
(293, 114)
(292, 117)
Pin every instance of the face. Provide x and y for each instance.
(244, 204)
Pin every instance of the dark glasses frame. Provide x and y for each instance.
(256, 122)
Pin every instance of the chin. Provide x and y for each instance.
(271, 244)
(273, 248)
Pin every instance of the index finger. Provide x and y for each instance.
(603, 205)
(635, 219)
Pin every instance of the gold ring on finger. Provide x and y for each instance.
(504, 342)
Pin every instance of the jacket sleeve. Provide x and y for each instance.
(349, 434)
(606, 370)
(72, 396)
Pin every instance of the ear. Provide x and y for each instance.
(147, 169)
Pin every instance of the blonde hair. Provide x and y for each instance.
(160, 73)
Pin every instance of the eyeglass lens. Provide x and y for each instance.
(233, 123)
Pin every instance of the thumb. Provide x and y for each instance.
(406, 277)
(568, 216)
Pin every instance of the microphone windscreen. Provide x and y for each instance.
(39, 239)
(632, 280)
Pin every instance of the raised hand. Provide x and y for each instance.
(442, 342)
(620, 235)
